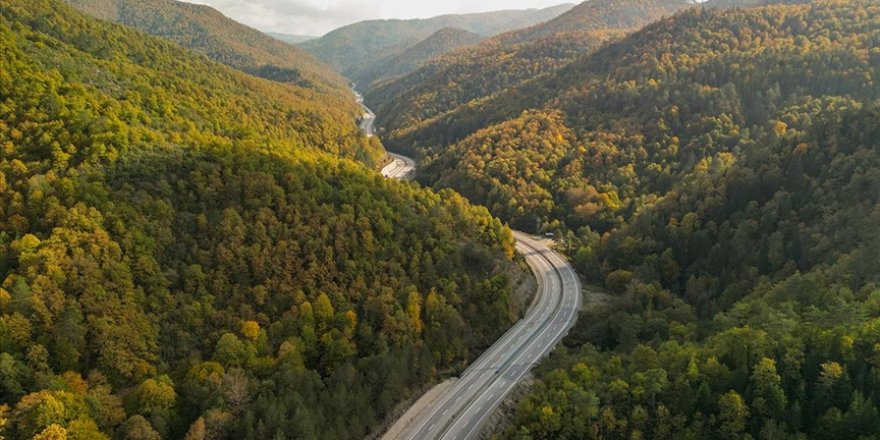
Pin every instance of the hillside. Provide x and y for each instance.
(398, 64)
(290, 38)
(716, 173)
(207, 31)
(745, 301)
(593, 16)
(356, 46)
(184, 255)
(467, 76)
(632, 123)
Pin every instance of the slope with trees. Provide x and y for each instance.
(291, 38)
(746, 301)
(181, 256)
(716, 172)
(355, 47)
(398, 64)
(423, 99)
(642, 111)
(205, 30)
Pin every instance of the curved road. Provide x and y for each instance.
(368, 119)
(465, 406)
(462, 408)
(401, 167)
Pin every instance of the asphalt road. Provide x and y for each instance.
(464, 407)
(368, 119)
(401, 167)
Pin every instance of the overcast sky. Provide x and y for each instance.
(317, 17)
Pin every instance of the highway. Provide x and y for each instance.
(462, 408)
(368, 119)
(467, 404)
(401, 167)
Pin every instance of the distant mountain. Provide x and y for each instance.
(207, 31)
(751, 3)
(397, 64)
(353, 47)
(292, 39)
(602, 14)
(464, 76)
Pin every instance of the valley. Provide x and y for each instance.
(459, 410)
(611, 220)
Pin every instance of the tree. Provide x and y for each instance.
(251, 330)
(230, 351)
(52, 432)
(138, 428)
(768, 399)
(323, 310)
(36, 412)
(153, 396)
(414, 313)
(732, 415)
(196, 430)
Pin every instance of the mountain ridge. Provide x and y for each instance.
(400, 63)
(351, 47)
(470, 75)
(206, 30)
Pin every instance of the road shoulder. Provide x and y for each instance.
(416, 409)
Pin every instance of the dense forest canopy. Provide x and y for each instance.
(419, 101)
(717, 174)
(183, 253)
(744, 303)
(207, 31)
(188, 250)
(628, 125)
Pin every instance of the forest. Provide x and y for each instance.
(399, 63)
(357, 50)
(187, 251)
(470, 75)
(205, 30)
(194, 242)
(716, 175)
(614, 130)
(743, 304)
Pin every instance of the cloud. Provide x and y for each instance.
(317, 17)
(291, 16)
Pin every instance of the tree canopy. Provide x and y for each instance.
(190, 251)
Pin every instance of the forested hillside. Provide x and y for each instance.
(594, 16)
(207, 31)
(746, 301)
(398, 64)
(181, 256)
(355, 47)
(420, 100)
(717, 174)
(639, 113)
(290, 38)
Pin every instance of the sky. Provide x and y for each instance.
(317, 17)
